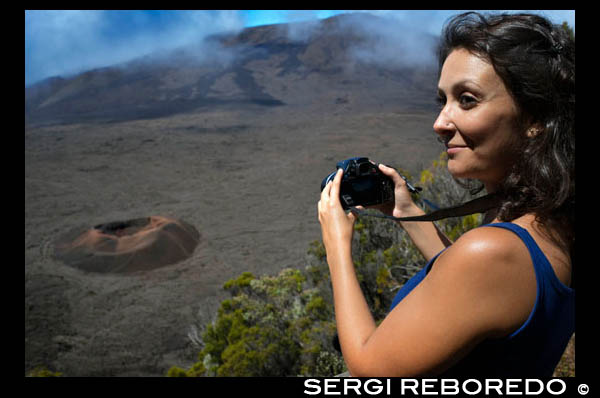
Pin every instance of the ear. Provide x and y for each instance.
(534, 130)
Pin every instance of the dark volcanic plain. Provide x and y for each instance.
(238, 149)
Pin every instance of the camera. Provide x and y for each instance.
(363, 184)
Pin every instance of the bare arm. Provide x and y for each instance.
(436, 324)
(425, 235)
(337, 229)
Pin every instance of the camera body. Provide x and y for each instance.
(363, 184)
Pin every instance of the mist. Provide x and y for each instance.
(67, 42)
(402, 42)
(409, 38)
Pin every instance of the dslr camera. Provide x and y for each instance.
(363, 184)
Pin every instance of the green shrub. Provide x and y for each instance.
(42, 371)
(284, 325)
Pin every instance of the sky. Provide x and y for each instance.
(67, 42)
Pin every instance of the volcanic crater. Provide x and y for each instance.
(134, 245)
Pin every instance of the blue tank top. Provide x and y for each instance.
(535, 348)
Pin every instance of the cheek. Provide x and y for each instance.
(493, 147)
(474, 131)
(491, 135)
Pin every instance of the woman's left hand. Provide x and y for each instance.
(337, 227)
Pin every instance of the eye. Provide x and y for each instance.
(441, 100)
(467, 101)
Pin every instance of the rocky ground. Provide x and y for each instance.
(247, 179)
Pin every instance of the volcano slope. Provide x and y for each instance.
(251, 193)
(243, 167)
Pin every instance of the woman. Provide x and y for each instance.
(499, 301)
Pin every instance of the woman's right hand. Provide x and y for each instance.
(403, 205)
(425, 235)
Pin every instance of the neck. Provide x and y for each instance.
(491, 187)
(490, 216)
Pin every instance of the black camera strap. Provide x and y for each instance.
(478, 205)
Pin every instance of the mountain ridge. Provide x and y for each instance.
(303, 64)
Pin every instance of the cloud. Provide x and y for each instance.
(405, 40)
(301, 25)
(393, 38)
(64, 42)
(56, 41)
(409, 39)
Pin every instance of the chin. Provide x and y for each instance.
(457, 170)
(463, 173)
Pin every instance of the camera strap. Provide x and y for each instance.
(478, 205)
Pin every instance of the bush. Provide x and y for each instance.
(272, 326)
(42, 371)
(284, 325)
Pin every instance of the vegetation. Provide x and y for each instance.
(568, 29)
(566, 366)
(42, 371)
(284, 325)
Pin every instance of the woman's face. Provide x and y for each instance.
(478, 121)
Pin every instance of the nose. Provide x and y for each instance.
(444, 126)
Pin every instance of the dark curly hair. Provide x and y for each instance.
(536, 61)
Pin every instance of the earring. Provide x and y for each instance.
(533, 132)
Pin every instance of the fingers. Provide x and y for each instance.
(392, 173)
(330, 194)
(352, 217)
(335, 187)
(332, 189)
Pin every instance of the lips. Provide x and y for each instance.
(451, 149)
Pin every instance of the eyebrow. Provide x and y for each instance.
(461, 83)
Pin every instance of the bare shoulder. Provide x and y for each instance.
(492, 266)
(485, 246)
(483, 286)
